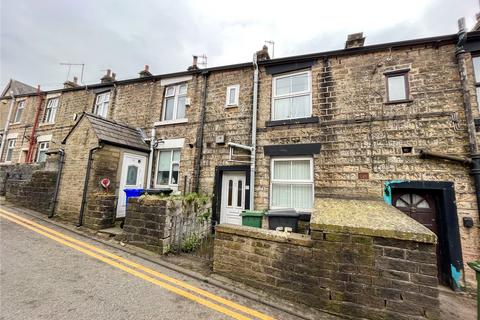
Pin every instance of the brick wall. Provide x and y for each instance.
(350, 275)
(74, 170)
(161, 224)
(35, 193)
(100, 212)
(362, 137)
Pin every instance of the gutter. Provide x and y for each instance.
(57, 183)
(85, 184)
(199, 142)
(7, 124)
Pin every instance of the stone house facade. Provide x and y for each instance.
(349, 123)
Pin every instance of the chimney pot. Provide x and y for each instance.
(263, 54)
(145, 72)
(109, 77)
(75, 80)
(194, 64)
(355, 40)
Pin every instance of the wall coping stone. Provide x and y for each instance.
(367, 217)
(265, 234)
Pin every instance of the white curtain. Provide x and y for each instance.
(300, 107)
(281, 109)
(302, 196)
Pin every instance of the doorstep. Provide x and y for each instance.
(110, 232)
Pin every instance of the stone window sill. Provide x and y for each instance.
(170, 122)
(399, 101)
(275, 123)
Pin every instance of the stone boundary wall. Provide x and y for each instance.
(158, 224)
(35, 193)
(351, 275)
(16, 172)
(101, 211)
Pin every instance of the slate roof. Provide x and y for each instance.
(18, 88)
(114, 133)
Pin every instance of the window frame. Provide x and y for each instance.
(476, 55)
(236, 98)
(176, 95)
(290, 95)
(398, 73)
(311, 181)
(169, 185)
(10, 148)
(42, 149)
(20, 106)
(53, 114)
(96, 104)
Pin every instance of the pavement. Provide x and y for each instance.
(51, 273)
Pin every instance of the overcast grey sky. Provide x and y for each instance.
(125, 35)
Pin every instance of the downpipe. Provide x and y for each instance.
(61, 161)
(85, 184)
(254, 132)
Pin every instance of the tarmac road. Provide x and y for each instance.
(47, 276)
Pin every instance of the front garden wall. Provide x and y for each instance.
(163, 224)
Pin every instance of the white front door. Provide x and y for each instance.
(233, 197)
(132, 177)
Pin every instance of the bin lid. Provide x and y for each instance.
(252, 213)
(475, 265)
(133, 191)
(282, 213)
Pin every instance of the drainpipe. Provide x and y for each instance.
(61, 158)
(254, 132)
(199, 142)
(150, 159)
(85, 184)
(7, 124)
(467, 105)
(33, 139)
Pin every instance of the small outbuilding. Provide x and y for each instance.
(96, 150)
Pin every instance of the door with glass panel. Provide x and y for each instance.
(233, 197)
(132, 177)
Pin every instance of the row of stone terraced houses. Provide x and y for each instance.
(352, 123)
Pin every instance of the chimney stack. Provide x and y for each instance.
(477, 24)
(194, 65)
(71, 84)
(108, 77)
(145, 72)
(355, 40)
(263, 55)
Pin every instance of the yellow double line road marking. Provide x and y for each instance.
(114, 260)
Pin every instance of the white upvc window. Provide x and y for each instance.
(10, 148)
(233, 93)
(101, 104)
(476, 72)
(175, 102)
(19, 112)
(291, 183)
(51, 110)
(292, 96)
(168, 165)
(42, 151)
